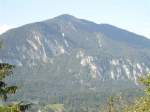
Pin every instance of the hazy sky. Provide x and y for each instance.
(133, 15)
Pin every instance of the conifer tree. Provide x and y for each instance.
(5, 90)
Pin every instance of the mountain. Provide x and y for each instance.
(105, 50)
(68, 52)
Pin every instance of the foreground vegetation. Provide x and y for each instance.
(141, 104)
(7, 90)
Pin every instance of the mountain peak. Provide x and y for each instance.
(65, 17)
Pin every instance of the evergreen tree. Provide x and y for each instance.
(5, 90)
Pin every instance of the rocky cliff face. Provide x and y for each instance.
(79, 47)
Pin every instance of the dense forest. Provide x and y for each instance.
(113, 103)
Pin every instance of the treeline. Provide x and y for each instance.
(141, 104)
(75, 103)
(113, 103)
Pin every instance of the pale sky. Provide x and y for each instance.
(132, 15)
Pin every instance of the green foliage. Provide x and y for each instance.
(10, 108)
(111, 104)
(141, 104)
(5, 91)
(6, 70)
(146, 82)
